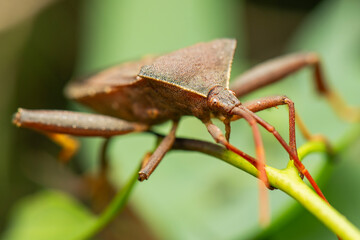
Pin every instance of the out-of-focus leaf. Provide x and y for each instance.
(47, 215)
(14, 11)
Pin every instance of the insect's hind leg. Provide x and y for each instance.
(276, 69)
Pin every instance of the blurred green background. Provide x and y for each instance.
(44, 43)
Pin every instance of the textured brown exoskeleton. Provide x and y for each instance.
(191, 81)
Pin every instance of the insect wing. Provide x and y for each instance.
(196, 68)
(107, 80)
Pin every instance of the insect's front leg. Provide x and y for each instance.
(259, 164)
(150, 162)
(274, 101)
(277, 69)
(260, 104)
(57, 125)
(292, 151)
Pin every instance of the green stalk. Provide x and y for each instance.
(286, 180)
(114, 208)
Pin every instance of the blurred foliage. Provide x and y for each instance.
(48, 215)
(190, 196)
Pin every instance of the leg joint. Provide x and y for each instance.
(312, 58)
(287, 100)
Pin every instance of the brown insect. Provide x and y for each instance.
(191, 81)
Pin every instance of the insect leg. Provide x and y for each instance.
(274, 101)
(276, 69)
(293, 154)
(227, 129)
(146, 159)
(150, 163)
(104, 161)
(57, 124)
(74, 123)
(68, 144)
(101, 189)
(216, 133)
(260, 164)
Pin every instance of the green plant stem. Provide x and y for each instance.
(116, 205)
(288, 180)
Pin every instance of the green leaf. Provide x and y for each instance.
(48, 215)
